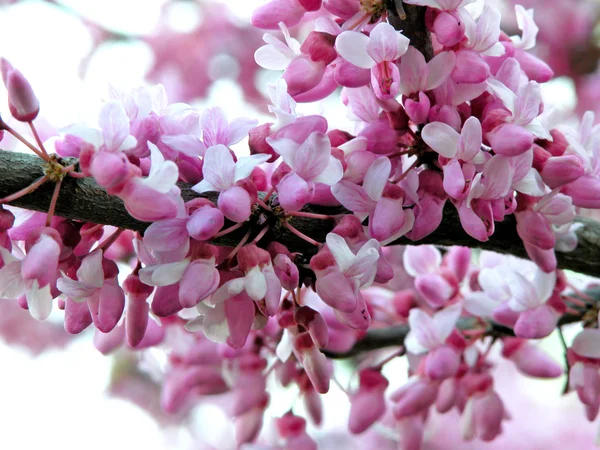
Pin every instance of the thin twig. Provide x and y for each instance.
(53, 202)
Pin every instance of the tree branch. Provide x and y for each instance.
(83, 200)
(413, 26)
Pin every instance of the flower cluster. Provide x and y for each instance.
(459, 126)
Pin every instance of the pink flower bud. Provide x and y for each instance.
(109, 169)
(434, 289)
(257, 141)
(510, 140)
(107, 308)
(105, 343)
(368, 404)
(205, 222)
(449, 29)
(314, 362)
(458, 260)
(179, 383)
(248, 426)
(77, 316)
(41, 262)
(235, 203)
(585, 192)
(348, 75)
(286, 271)
(536, 323)
(561, 170)
(270, 14)
(442, 363)
(199, 281)
(470, 68)
(22, 102)
(418, 111)
(319, 46)
(303, 74)
(137, 309)
(530, 359)
(166, 302)
(314, 323)
(294, 192)
(414, 398)
(293, 429)
(344, 9)
(534, 68)
(447, 395)
(335, 290)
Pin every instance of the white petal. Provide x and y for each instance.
(239, 129)
(163, 174)
(352, 46)
(204, 186)
(339, 249)
(332, 173)
(440, 68)
(74, 289)
(39, 301)
(377, 177)
(163, 274)
(445, 320)
(544, 284)
(245, 165)
(480, 304)
(531, 184)
(219, 168)
(90, 271)
(11, 283)
(285, 347)
(524, 295)
(255, 284)
(422, 259)
(442, 138)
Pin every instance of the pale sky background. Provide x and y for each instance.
(57, 400)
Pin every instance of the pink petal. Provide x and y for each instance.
(414, 72)
(422, 259)
(239, 311)
(219, 168)
(385, 43)
(114, 123)
(353, 197)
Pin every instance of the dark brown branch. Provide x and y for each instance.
(84, 200)
(413, 27)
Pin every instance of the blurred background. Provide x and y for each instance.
(56, 390)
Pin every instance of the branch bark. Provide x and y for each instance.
(83, 200)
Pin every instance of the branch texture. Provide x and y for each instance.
(84, 200)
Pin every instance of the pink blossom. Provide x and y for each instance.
(378, 199)
(311, 162)
(375, 52)
(221, 174)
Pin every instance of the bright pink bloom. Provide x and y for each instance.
(221, 174)
(377, 52)
(377, 199)
(311, 162)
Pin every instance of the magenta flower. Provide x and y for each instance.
(377, 52)
(221, 174)
(378, 199)
(310, 162)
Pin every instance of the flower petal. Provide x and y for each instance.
(352, 46)
(442, 138)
